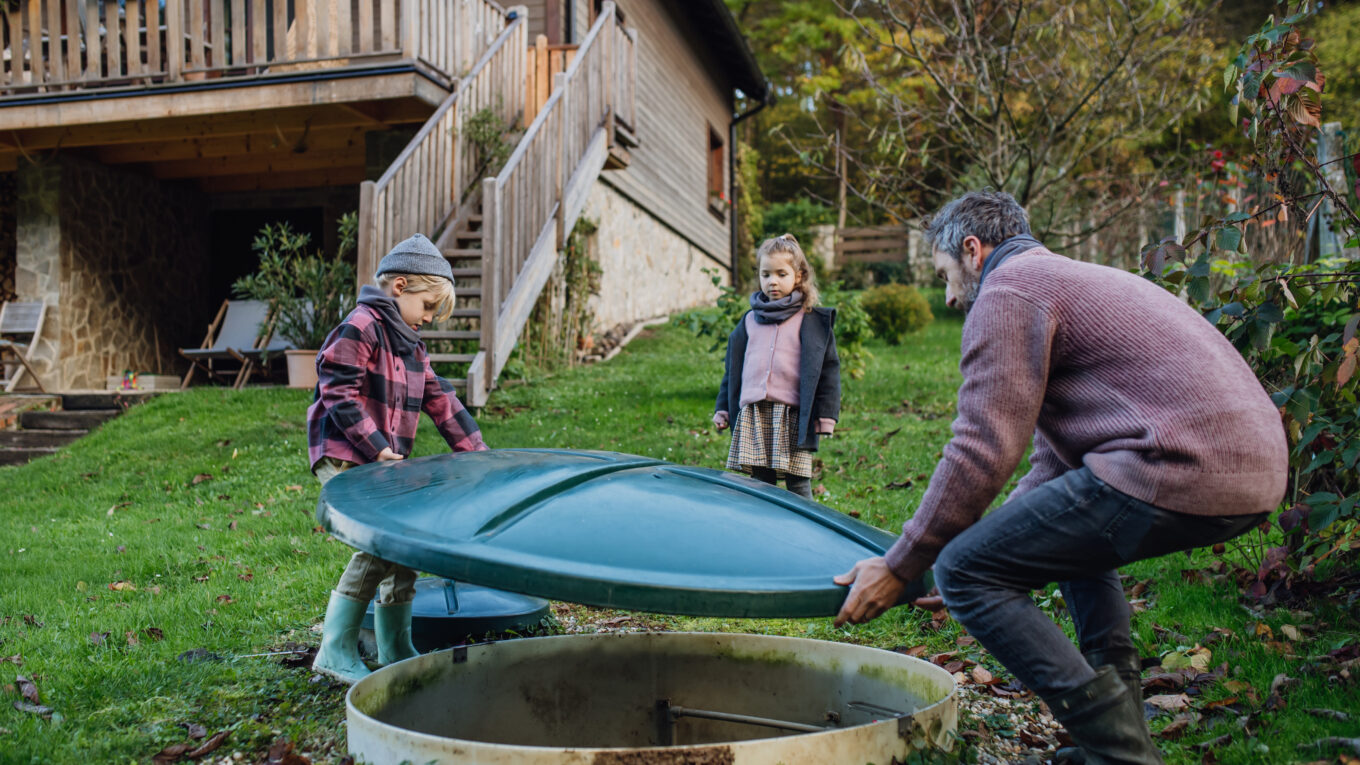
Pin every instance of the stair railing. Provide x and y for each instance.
(530, 207)
(88, 44)
(423, 187)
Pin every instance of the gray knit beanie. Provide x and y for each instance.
(416, 255)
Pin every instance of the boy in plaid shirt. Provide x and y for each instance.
(373, 381)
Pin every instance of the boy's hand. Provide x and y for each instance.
(387, 455)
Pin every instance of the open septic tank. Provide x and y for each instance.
(620, 531)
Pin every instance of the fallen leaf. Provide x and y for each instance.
(33, 709)
(1177, 727)
(899, 485)
(27, 689)
(123, 586)
(98, 638)
(131, 638)
(203, 578)
(232, 525)
(224, 599)
(964, 641)
(171, 753)
(245, 577)
(200, 478)
(1290, 631)
(293, 487)
(981, 675)
(154, 633)
(1169, 702)
(207, 746)
(17, 660)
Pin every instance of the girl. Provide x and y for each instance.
(782, 376)
(374, 381)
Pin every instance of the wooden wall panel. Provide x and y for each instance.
(677, 99)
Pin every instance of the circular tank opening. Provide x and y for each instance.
(569, 694)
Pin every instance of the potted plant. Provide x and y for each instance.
(309, 293)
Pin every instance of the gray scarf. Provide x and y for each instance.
(400, 336)
(769, 311)
(1008, 247)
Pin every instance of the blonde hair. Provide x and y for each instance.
(417, 283)
(807, 280)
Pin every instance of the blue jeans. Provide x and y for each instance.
(1075, 530)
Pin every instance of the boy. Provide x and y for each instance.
(374, 379)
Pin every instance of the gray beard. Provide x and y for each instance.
(971, 287)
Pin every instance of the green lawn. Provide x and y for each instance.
(186, 525)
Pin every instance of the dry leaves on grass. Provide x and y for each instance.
(177, 752)
(281, 753)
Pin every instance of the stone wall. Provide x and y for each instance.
(647, 268)
(8, 261)
(119, 258)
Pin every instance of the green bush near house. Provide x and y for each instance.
(896, 310)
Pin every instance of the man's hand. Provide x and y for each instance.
(387, 455)
(874, 588)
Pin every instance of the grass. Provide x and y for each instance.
(232, 564)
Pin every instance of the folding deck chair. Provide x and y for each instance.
(234, 335)
(20, 326)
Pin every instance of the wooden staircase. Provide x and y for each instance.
(502, 234)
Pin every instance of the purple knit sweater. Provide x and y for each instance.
(1103, 369)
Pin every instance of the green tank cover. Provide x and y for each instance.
(604, 529)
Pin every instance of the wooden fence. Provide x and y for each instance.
(80, 44)
(425, 185)
(873, 244)
(529, 208)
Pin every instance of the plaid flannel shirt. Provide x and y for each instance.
(369, 398)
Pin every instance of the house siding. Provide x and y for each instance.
(679, 96)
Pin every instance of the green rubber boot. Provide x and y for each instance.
(392, 628)
(1104, 723)
(338, 656)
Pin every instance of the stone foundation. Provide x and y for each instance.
(647, 269)
(8, 262)
(119, 259)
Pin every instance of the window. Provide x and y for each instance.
(717, 189)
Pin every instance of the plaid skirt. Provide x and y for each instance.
(764, 436)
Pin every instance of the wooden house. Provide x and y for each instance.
(143, 141)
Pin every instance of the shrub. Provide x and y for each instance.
(896, 310)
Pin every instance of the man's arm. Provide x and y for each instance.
(1007, 346)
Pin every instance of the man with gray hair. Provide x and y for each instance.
(1150, 435)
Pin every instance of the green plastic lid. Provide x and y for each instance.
(604, 529)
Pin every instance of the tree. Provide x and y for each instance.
(1049, 100)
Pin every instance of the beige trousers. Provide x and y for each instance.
(367, 574)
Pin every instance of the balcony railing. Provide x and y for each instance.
(56, 45)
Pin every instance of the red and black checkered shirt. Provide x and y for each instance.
(368, 397)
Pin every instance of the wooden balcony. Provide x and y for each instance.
(189, 86)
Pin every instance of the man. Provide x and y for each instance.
(1150, 435)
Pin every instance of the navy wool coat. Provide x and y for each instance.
(819, 374)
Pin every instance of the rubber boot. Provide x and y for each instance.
(338, 656)
(1129, 666)
(392, 628)
(1104, 723)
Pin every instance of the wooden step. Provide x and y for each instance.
(466, 313)
(462, 252)
(466, 273)
(451, 334)
(454, 358)
(105, 399)
(28, 439)
(87, 419)
(24, 456)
